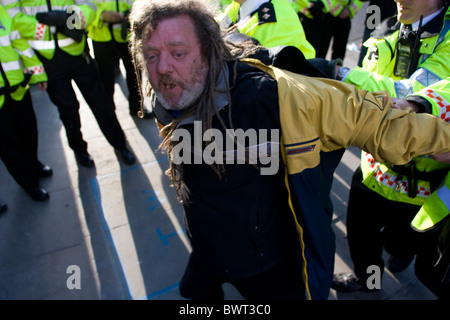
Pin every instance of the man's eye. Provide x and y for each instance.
(179, 54)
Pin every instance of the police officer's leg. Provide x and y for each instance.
(87, 78)
(132, 84)
(62, 94)
(365, 219)
(106, 60)
(341, 33)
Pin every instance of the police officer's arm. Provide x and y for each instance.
(27, 25)
(435, 68)
(30, 61)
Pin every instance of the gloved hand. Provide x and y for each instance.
(56, 18)
(75, 34)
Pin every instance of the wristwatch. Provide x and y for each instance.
(342, 73)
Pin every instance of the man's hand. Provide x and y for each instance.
(443, 157)
(42, 86)
(345, 13)
(111, 16)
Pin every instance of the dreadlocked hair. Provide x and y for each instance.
(144, 19)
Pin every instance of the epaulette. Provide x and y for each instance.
(266, 13)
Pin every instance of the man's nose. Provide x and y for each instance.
(164, 64)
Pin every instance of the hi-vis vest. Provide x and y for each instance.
(42, 37)
(275, 23)
(377, 72)
(382, 179)
(99, 30)
(16, 57)
(437, 206)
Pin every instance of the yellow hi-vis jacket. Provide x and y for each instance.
(16, 57)
(44, 38)
(437, 206)
(377, 73)
(99, 30)
(275, 23)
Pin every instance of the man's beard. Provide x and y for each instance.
(191, 91)
(189, 95)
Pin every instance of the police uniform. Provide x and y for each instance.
(64, 52)
(384, 196)
(273, 23)
(110, 43)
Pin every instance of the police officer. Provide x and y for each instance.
(109, 34)
(408, 53)
(56, 30)
(272, 23)
(18, 126)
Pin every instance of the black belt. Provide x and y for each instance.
(11, 89)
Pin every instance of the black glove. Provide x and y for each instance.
(75, 34)
(327, 67)
(56, 18)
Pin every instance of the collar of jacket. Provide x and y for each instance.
(165, 117)
(391, 25)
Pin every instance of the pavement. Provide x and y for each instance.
(115, 232)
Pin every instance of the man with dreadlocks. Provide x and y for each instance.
(269, 235)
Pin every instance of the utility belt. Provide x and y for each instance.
(413, 175)
(11, 89)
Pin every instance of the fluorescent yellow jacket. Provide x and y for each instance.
(99, 30)
(437, 205)
(16, 57)
(41, 37)
(275, 23)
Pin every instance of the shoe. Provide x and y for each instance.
(126, 156)
(348, 282)
(38, 194)
(84, 159)
(3, 207)
(136, 111)
(399, 263)
(44, 170)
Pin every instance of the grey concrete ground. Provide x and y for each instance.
(119, 228)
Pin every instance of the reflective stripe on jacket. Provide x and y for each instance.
(282, 28)
(16, 57)
(100, 30)
(42, 37)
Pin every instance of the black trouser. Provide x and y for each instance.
(19, 140)
(374, 223)
(319, 34)
(106, 56)
(281, 282)
(61, 70)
